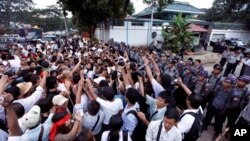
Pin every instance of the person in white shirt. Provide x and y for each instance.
(187, 120)
(165, 130)
(115, 132)
(109, 105)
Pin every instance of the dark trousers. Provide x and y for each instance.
(219, 118)
(232, 116)
(229, 69)
(223, 61)
(235, 66)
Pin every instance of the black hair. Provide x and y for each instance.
(198, 60)
(27, 77)
(14, 90)
(103, 83)
(51, 82)
(195, 100)
(132, 95)
(58, 116)
(85, 135)
(115, 124)
(108, 93)
(19, 109)
(76, 79)
(53, 59)
(165, 80)
(172, 113)
(93, 107)
(53, 71)
(45, 105)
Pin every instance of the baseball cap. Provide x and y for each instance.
(59, 100)
(229, 80)
(190, 68)
(24, 86)
(203, 73)
(245, 78)
(31, 118)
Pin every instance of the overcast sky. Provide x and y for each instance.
(139, 6)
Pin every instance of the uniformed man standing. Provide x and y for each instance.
(224, 57)
(238, 101)
(245, 70)
(214, 81)
(231, 63)
(239, 57)
(218, 105)
(171, 70)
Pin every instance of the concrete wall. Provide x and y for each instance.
(240, 34)
(132, 35)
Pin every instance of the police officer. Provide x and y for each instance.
(239, 57)
(218, 105)
(198, 66)
(225, 55)
(231, 63)
(189, 77)
(214, 81)
(201, 87)
(171, 70)
(245, 70)
(238, 101)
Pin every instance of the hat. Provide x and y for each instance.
(245, 78)
(229, 79)
(24, 87)
(180, 65)
(190, 68)
(59, 100)
(203, 73)
(32, 118)
(107, 91)
(218, 67)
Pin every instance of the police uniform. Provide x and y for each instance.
(225, 55)
(238, 101)
(218, 107)
(232, 59)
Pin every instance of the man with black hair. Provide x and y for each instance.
(188, 116)
(130, 121)
(165, 130)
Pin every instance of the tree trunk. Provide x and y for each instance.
(92, 29)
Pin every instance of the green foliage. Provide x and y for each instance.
(176, 35)
(161, 3)
(237, 11)
(7, 7)
(88, 13)
(49, 19)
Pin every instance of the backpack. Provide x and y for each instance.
(196, 129)
(140, 129)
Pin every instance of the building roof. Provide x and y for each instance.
(196, 28)
(177, 7)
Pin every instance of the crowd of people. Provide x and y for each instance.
(71, 90)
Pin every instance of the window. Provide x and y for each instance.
(215, 37)
(137, 23)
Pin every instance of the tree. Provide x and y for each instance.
(161, 3)
(88, 13)
(229, 11)
(176, 35)
(9, 6)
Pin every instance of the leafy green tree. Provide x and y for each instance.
(88, 13)
(237, 11)
(176, 34)
(161, 3)
(8, 7)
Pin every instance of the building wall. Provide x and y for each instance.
(240, 34)
(130, 34)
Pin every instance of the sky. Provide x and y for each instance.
(139, 6)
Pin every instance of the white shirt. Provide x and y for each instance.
(89, 121)
(99, 79)
(156, 87)
(186, 122)
(106, 133)
(110, 108)
(30, 101)
(172, 135)
(3, 135)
